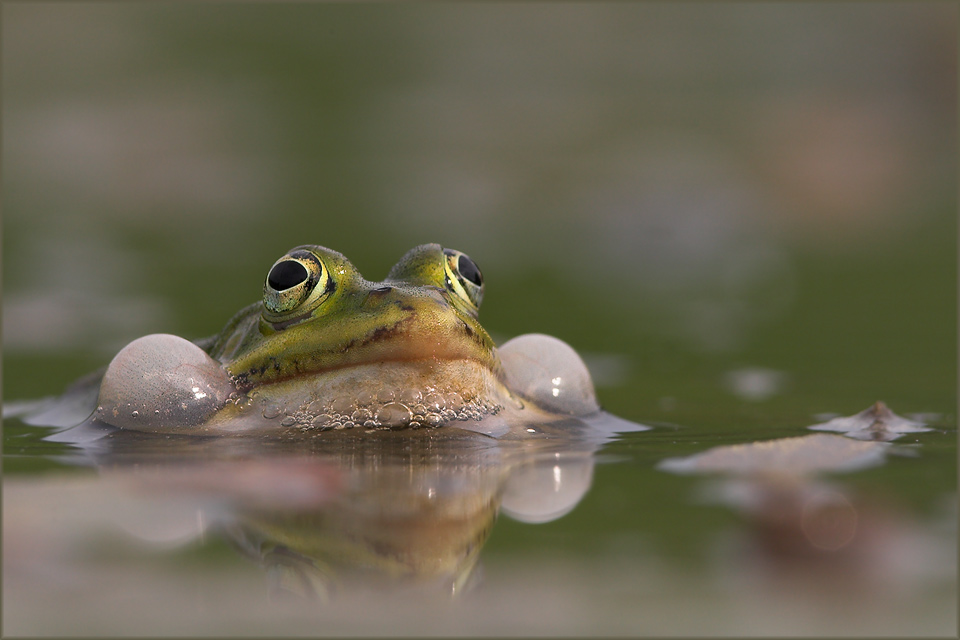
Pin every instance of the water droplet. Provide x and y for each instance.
(135, 414)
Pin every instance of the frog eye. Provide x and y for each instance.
(463, 277)
(293, 280)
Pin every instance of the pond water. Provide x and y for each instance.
(743, 217)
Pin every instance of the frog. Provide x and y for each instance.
(327, 350)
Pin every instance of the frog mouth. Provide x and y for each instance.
(396, 344)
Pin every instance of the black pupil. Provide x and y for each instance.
(286, 274)
(468, 269)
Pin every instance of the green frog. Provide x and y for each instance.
(326, 349)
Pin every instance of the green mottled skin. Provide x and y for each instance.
(413, 315)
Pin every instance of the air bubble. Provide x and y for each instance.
(361, 415)
(342, 405)
(289, 421)
(434, 402)
(271, 411)
(454, 401)
(410, 396)
(316, 407)
(394, 414)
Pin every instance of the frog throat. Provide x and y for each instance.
(380, 396)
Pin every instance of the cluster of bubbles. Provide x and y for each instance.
(387, 409)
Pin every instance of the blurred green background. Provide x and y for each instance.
(743, 215)
(687, 189)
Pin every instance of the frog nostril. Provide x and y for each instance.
(384, 289)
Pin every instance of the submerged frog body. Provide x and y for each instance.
(326, 349)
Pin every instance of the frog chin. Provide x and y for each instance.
(540, 374)
(400, 394)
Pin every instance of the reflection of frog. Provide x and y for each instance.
(326, 349)
(411, 513)
(343, 513)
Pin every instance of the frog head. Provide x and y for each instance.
(319, 315)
